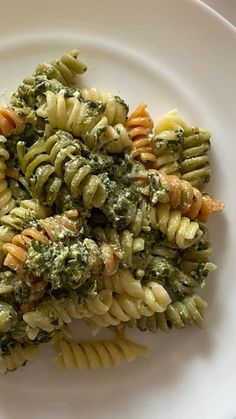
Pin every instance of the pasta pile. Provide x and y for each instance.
(102, 218)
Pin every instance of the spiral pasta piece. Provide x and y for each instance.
(39, 172)
(97, 354)
(20, 217)
(69, 113)
(182, 195)
(193, 160)
(116, 109)
(195, 167)
(188, 311)
(58, 226)
(139, 125)
(6, 234)
(170, 122)
(17, 357)
(64, 69)
(123, 282)
(10, 121)
(112, 139)
(65, 155)
(125, 307)
(195, 260)
(7, 203)
(177, 228)
(168, 151)
(17, 251)
(125, 243)
(53, 314)
(178, 281)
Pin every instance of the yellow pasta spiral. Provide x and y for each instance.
(124, 307)
(53, 314)
(177, 228)
(94, 355)
(115, 108)
(70, 114)
(123, 282)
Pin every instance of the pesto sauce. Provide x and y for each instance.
(61, 265)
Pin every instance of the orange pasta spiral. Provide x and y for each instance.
(10, 122)
(16, 252)
(189, 200)
(139, 126)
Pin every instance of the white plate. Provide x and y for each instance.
(169, 53)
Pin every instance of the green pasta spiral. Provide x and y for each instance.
(195, 260)
(65, 154)
(195, 167)
(64, 69)
(187, 311)
(164, 271)
(39, 172)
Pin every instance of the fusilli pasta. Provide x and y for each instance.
(20, 217)
(17, 357)
(140, 126)
(17, 251)
(125, 307)
(65, 155)
(99, 220)
(6, 200)
(123, 282)
(125, 243)
(10, 121)
(182, 195)
(195, 167)
(193, 159)
(97, 354)
(178, 229)
(52, 314)
(39, 172)
(168, 151)
(177, 281)
(69, 113)
(64, 69)
(116, 109)
(103, 136)
(179, 314)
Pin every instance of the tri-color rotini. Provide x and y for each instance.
(101, 220)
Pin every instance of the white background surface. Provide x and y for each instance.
(170, 53)
(227, 8)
